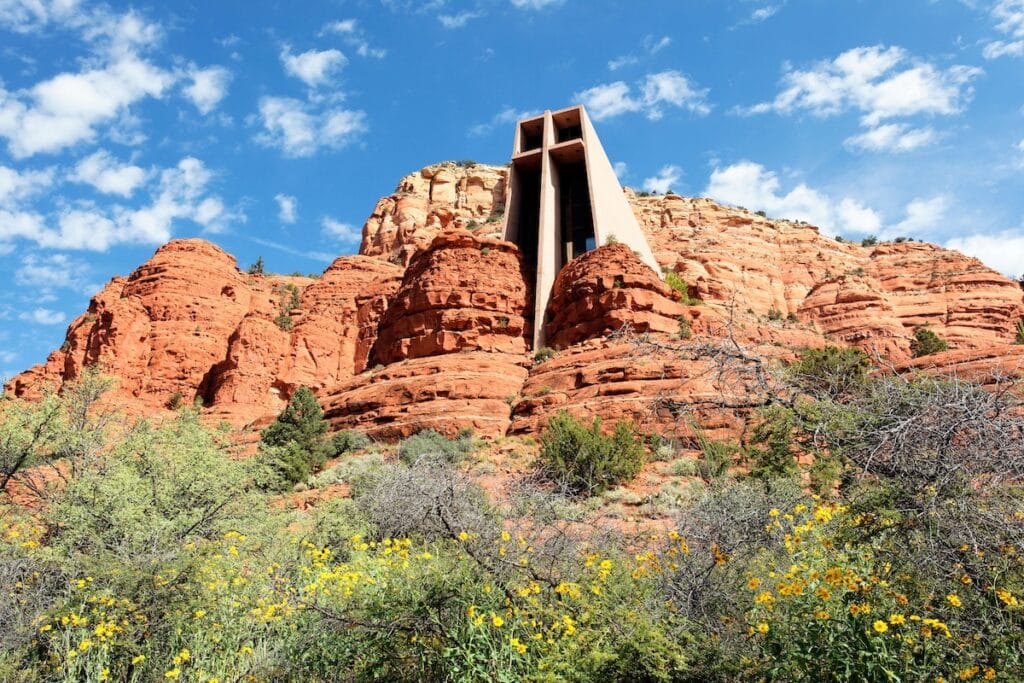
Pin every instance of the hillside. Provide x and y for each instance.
(428, 325)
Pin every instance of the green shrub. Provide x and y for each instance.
(544, 354)
(677, 283)
(295, 445)
(772, 453)
(1020, 332)
(285, 322)
(584, 461)
(831, 372)
(430, 443)
(869, 241)
(174, 401)
(926, 342)
(348, 440)
(257, 267)
(685, 330)
(774, 314)
(611, 239)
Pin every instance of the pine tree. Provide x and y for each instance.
(296, 444)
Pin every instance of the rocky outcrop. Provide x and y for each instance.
(435, 198)
(604, 290)
(474, 389)
(462, 293)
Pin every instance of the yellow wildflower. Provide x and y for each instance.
(762, 627)
(497, 621)
(138, 659)
(519, 647)
(821, 614)
(954, 600)
(753, 583)
(880, 626)
(897, 619)
(173, 674)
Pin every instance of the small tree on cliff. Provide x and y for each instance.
(296, 444)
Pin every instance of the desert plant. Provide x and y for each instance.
(257, 267)
(685, 329)
(429, 443)
(677, 283)
(583, 461)
(869, 241)
(830, 372)
(926, 342)
(1020, 332)
(348, 440)
(774, 314)
(174, 401)
(544, 354)
(295, 445)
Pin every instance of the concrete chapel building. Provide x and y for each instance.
(563, 200)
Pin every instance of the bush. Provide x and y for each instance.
(174, 401)
(295, 445)
(869, 241)
(1020, 332)
(348, 440)
(257, 267)
(685, 329)
(774, 314)
(585, 462)
(772, 453)
(677, 283)
(430, 443)
(926, 342)
(544, 354)
(831, 372)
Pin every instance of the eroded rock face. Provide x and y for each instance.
(462, 293)
(602, 291)
(433, 199)
(446, 393)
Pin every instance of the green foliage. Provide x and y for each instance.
(926, 342)
(285, 322)
(295, 445)
(677, 283)
(465, 163)
(584, 461)
(774, 314)
(611, 239)
(430, 443)
(772, 453)
(257, 267)
(762, 214)
(347, 441)
(174, 401)
(544, 354)
(869, 241)
(830, 372)
(685, 330)
(1020, 332)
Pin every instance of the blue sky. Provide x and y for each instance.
(272, 131)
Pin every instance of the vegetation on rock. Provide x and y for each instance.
(926, 342)
(584, 461)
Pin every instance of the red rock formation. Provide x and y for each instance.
(446, 393)
(462, 293)
(604, 290)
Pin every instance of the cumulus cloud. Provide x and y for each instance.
(1003, 251)
(108, 175)
(656, 91)
(313, 67)
(459, 20)
(68, 108)
(881, 83)
(1009, 20)
(207, 87)
(752, 185)
(43, 316)
(55, 271)
(16, 185)
(287, 208)
(298, 131)
(353, 35)
(181, 193)
(663, 182)
(892, 137)
(621, 169)
(345, 233)
(505, 117)
(763, 13)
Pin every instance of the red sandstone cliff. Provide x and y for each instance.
(429, 326)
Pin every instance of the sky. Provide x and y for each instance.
(272, 132)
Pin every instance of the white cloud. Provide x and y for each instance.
(107, 175)
(853, 216)
(208, 87)
(69, 107)
(18, 185)
(623, 61)
(663, 182)
(353, 35)
(654, 45)
(56, 271)
(180, 194)
(892, 137)
(651, 45)
(882, 83)
(656, 90)
(922, 214)
(291, 126)
(505, 117)
(43, 316)
(313, 67)
(345, 233)
(1003, 251)
(8, 357)
(459, 20)
(1009, 18)
(621, 169)
(287, 208)
(763, 13)
(535, 4)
